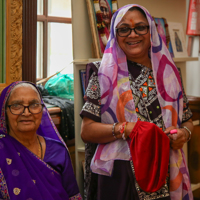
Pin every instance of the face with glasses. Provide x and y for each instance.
(105, 12)
(24, 110)
(133, 36)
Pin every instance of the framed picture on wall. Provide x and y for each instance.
(162, 28)
(177, 37)
(100, 13)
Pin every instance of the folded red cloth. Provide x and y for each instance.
(150, 150)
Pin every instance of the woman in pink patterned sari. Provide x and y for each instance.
(134, 102)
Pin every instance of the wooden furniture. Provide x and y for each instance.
(55, 113)
(174, 11)
(194, 147)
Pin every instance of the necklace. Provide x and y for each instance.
(148, 67)
(40, 151)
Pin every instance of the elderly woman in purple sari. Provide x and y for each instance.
(35, 163)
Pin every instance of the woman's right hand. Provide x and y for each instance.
(130, 127)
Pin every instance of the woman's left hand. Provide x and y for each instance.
(176, 141)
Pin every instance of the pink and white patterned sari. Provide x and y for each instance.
(117, 104)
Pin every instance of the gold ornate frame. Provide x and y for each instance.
(94, 31)
(13, 42)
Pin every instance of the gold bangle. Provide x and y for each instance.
(124, 136)
(113, 130)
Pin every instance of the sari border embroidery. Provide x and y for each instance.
(3, 186)
(92, 108)
(76, 197)
(162, 192)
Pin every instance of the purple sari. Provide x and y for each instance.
(25, 176)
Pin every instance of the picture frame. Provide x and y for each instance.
(13, 42)
(100, 13)
(177, 38)
(162, 28)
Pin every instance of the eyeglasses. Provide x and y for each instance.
(103, 9)
(18, 109)
(126, 31)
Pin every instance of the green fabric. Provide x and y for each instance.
(61, 85)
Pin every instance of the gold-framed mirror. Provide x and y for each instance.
(13, 42)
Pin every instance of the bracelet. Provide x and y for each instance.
(113, 130)
(125, 135)
(184, 130)
(190, 134)
(121, 127)
(122, 130)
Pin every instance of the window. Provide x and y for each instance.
(54, 37)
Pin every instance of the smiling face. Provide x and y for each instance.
(26, 123)
(135, 46)
(105, 12)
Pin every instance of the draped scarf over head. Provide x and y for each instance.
(103, 36)
(117, 104)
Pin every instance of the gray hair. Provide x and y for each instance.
(27, 85)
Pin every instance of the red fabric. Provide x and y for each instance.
(150, 149)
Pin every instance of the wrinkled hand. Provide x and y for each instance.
(176, 142)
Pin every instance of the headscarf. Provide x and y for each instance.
(103, 38)
(34, 174)
(117, 104)
(109, 9)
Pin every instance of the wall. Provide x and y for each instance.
(82, 38)
(161, 8)
(193, 68)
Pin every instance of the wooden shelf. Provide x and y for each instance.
(195, 186)
(85, 61)
(184, 59)
(196, 122)
(80, 62)
(81, 149)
